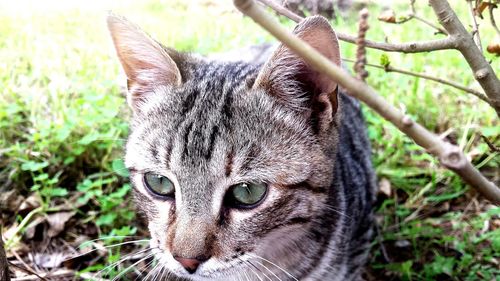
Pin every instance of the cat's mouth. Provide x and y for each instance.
(212, 269)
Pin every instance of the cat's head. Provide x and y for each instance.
(231, 163)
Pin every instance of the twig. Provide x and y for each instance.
(390, 68)
(412, 47)
(56, 274)
(492, 19)
(359, 66)
(475, 27)
(492, 146)
(30, 271)
(482, 70)
(414, 15)
(449, 155)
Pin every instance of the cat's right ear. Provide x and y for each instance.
(145, 62)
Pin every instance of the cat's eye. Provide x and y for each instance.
(245, 195)
(159, 185)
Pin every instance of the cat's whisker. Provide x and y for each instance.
(107, 247)
(162, 272)
(256, 272)
(270, 271)
(339, 212)
(246, 265)
(124, 258)
(103, 139)
(108, 238)
(143, 269)
(152, 271)
(277, 266)
(131, 266)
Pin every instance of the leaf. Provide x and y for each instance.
(384, 60)
(494, 48)
(54, 192)
(119, 168)
(388, 16)
(57, 222)
(385, 187)
(34, 166)
(106, 219)
(89, 138)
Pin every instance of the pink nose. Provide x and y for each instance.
(189, 264)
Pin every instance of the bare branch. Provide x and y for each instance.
(482, 70)
(449, 155)
(453, 84)
(475, 27)
(412, 47)
(492, 19)
(414, 15)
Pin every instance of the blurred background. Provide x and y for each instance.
(64, 205)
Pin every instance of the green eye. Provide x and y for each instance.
(246, 195)
(159, 184)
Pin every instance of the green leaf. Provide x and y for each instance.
(384, 60)
(119, 168)
(54, 192)
(34, 166)
(106, 219)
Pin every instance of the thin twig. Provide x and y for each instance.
(438, 29)
(412, 47)
(449, 155)
(390, 68)
(492, 19)
(414, 15)
(34, 275)
(475, 27)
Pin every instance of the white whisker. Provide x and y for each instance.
(279, 267)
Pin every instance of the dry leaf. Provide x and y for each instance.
(57, 222)
(31, 203)
(387, 16)
(32, 227)
(494, 48)
(10, 200)
(385, 187)
(49, 260)
(481, 7)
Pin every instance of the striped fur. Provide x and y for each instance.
(219, 127)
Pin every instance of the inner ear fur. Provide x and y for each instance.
(146, 63)
(295, 83)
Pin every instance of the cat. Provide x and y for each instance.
(247, 171)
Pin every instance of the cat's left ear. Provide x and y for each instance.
(294, 83)
(145, 61)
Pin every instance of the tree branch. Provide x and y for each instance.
(475, 27)
(453, 84)
(482, 70)
(414, 15)
(412, 47)
(458, 39)
(449, 155)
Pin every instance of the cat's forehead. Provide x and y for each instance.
(213, 117)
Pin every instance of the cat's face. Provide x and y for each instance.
(230, 163)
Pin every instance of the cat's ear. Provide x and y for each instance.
(292, 81)
(145, 62)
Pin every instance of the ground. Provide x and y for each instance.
(63, 123)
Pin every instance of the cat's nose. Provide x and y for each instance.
(190, 264)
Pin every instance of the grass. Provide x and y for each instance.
(63, 121)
